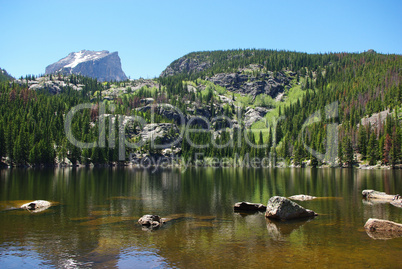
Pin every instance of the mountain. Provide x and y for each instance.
(4, 76)
(236, 70)
(310, 93)
(283, 107)
(102, 65)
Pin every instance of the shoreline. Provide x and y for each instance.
(188, 165)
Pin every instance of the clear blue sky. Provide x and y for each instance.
(151, 34)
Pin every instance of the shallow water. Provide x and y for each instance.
(93, 223)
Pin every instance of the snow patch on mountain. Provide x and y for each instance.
(84, 56)
(101, 65)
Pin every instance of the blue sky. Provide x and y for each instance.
(151, 34)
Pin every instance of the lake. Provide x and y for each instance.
(93, 222)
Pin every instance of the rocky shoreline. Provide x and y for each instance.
(165, 161)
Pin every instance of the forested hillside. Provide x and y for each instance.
(4, 76)
(242, 103)
(362, 84)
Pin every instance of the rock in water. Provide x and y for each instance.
(302, 197)
(397, 203)
(152, 221)
(372, 194)
(101, 65)
(36, 206)
(383, 229)
(246, 206)
(282, 208)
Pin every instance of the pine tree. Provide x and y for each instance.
(97, 155)
(2, 142)
(298, 154)
(62, 150)
(50, 154)
(74, 153)
(394, 153)
(340, 154)
(386, 150)
(284, 148)
(9, 141)
(314, 161)
(269, 145)
(362, 141)
(86, 154)
(261, 150)
(348, 151)
(34, 156)
(380, 149)
(372, 149)
(19, 152)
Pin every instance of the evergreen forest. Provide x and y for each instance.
(295, 125)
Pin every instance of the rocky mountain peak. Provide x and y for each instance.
(102, 65)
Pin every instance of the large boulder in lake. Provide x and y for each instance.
(284, 209)
(382, 197)
(249, 207)
(36, 206)
(151, 221)
(383, 229)
(372, 194)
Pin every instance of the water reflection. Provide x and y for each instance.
(281, 230)
(95, 223)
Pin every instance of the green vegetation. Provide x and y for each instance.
(362, 84)
(32, 121)
(4, 76)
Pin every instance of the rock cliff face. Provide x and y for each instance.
(254, 85)
(184, 65)
(166, 110)
(101, 65)
(252, 80)
(253, 115)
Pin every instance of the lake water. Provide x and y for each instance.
(93, 223)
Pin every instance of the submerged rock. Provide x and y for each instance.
(151, 221)
(36, 206)
(282, 208)
(251, 207)
(383, 229)
(302, 197)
